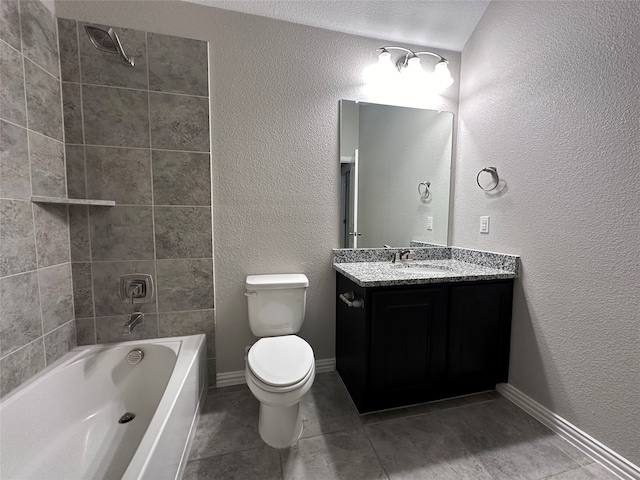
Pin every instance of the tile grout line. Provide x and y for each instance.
(86, 188)
(153, 210)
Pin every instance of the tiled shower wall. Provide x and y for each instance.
(140, 136)
(36, 304)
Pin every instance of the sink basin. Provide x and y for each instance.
(420, 268)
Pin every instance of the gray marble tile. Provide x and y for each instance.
(12, 102)
(106, 282)
(340, 455)
(189, 323)
(74, 161)
(59, 341)
(593, 471)
(572, 452)
(15, 177)
(423, 447)
(327, 408)
(48, 175)
(119, 174)
(82, 289)
(17, 238)
(100, 68)
(179, 122)
(44, 105)
(229, 423)
(115, 116)
(20, 321)
(507, 441)
(185, 285)
(183, 232)
(79, 233)
(56, 296)
(10, 23)
(178, 65)
(258, 463)
(110, 329)
(40, 36)
(68, 45)
(121, 233)
(72, 111)
(21, 365)
(181, 178)
(86, 331)
(52, 234)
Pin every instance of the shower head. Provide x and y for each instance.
(108, 41)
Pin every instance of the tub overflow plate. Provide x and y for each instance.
(135, 356)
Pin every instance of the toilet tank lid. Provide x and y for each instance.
(275, 281)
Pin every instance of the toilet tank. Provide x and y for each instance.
(276, 303)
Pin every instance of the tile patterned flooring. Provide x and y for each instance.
(477, 437)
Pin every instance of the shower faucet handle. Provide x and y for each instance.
(136, 288)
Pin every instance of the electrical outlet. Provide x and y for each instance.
(484, 224)
(429, 223)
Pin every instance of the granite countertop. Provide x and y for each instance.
(383, 274)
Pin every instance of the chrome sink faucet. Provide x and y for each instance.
(136, 318)
(402, 256)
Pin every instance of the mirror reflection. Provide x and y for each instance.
(396, 173)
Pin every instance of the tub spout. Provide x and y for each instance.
(136, 318)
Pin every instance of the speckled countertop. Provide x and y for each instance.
(423, 271)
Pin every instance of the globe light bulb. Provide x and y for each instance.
(441, 76)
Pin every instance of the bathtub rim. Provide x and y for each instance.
(78, 353)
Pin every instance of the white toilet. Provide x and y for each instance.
(280, 366)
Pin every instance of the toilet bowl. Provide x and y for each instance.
(279, 372)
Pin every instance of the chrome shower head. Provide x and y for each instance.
(108, 42)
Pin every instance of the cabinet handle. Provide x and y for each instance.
(351, 301)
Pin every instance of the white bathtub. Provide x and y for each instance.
(63, 424)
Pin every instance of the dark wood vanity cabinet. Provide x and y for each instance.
(417, 343)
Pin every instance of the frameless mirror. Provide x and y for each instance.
(396, 173)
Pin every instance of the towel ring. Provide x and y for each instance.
(494, 174)
(424, 194)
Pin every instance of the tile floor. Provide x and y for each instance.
(478, 437)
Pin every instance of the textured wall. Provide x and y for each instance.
(275, 88)
(36, 302)
(139, 136)
(550, 96)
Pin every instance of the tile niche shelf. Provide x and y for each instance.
(73, 201)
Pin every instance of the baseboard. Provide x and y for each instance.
(237, 378)
(579, 439)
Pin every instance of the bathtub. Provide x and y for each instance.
(64, 423)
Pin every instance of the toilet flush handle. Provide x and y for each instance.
(250, 294)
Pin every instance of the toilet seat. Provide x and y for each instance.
(281, 363)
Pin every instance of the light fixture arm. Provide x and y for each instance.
(403, 61)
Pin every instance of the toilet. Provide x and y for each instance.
(280, 367)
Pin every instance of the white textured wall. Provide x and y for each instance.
(275, 88)
(550, 96)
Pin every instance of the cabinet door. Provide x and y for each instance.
(352, 342)
(408, 343)
(480, 329)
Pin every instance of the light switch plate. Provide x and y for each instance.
(429, 223)
(484, 224)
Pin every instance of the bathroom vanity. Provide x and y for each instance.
(418, 331)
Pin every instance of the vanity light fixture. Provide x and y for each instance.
(409, 65)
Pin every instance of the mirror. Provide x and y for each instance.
(396, 172)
